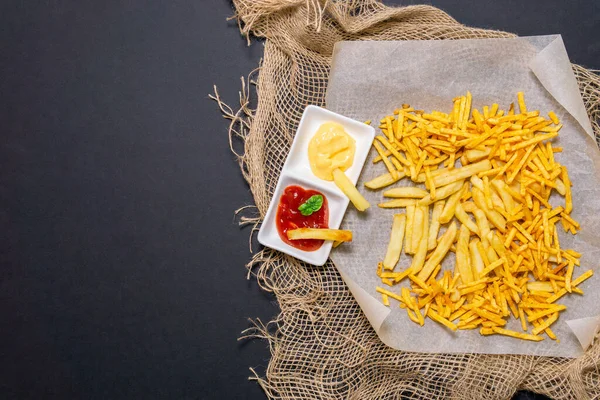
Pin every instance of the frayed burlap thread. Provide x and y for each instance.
(321, 344)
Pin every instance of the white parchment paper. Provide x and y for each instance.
(369, 80)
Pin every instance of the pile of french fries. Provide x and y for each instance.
(488, 176)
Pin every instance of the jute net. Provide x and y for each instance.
(321, 344)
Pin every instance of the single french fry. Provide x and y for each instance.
(483, 225)
(395, 245)
(438, 318)
(418, 227)
(345, 184)
(406, 192)
(462, 255)
(536, 139)
(568, 194)
(540, 286)
(384, 180)
(459, 174)
(521, 101)
(397, 203)
(434, 227)
(410, 217)
(441, 193)
(474, 155)
(322, 234)
(546, 312)
(386, 292)
(477, 265)
(439, 253)
(421, 252)
(493, 265)
(385, 300)
(569, 276)
(545, 324)
(518, 335)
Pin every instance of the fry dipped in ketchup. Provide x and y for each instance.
(302, 208)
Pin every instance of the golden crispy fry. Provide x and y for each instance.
(397, 203)
(483, 225)
(322, 234)
(539, 286)
(438, 318)
(341, 181)
(421, 250)
(385, 300)
(568, 195)
(418, 227)
(545, 324)
(462, 256)
(441, 193)
(410, 217)
(518, 335)
(395, 245)
(477, 265)
(406, 192)
(434, 227)
(383, 180)
(545, 312)
(459, 174)
(474, 155)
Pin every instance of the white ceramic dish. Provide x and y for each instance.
(296, 171)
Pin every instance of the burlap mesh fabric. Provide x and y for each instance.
(322, 346)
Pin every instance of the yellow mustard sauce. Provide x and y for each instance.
(329, 149)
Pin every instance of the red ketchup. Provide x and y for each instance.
(289, 217)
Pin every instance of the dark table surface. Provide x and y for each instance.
(122, 267)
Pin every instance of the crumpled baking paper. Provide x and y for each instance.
(370, 79)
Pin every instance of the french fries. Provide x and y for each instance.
(341, 181)
(337, 235)
(508, 258)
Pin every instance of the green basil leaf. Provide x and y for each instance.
(313, 204)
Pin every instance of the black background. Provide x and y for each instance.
(121, 265)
